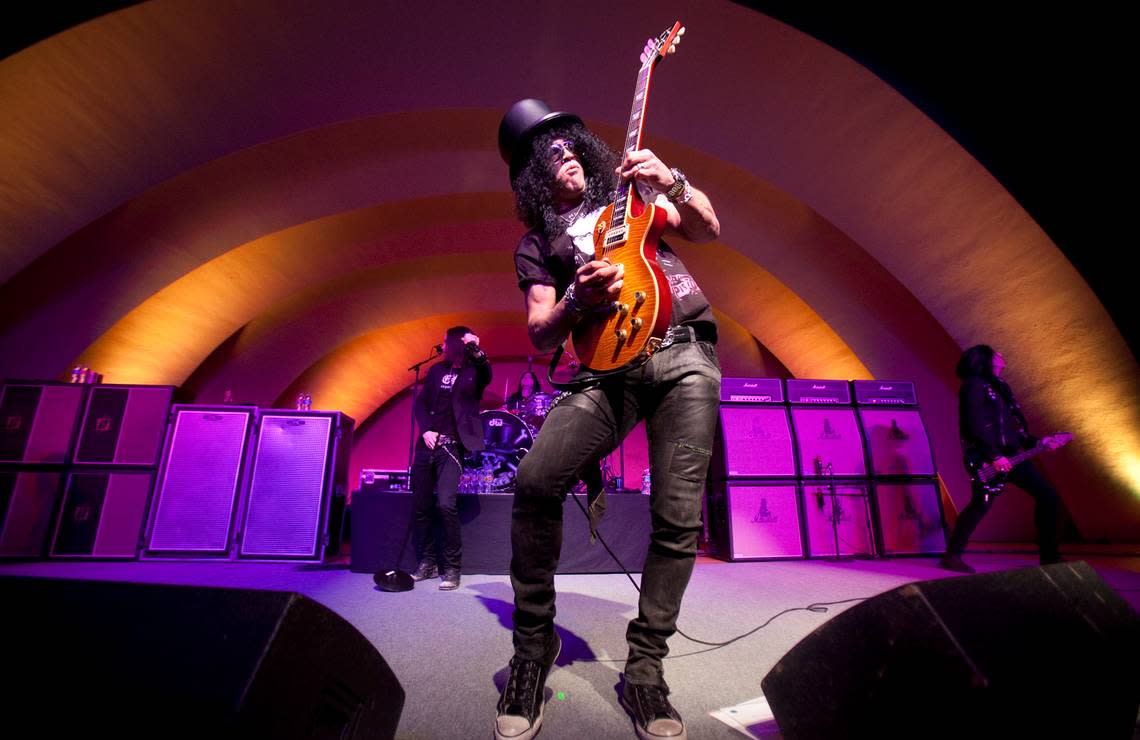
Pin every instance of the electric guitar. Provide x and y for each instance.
(620, 332)
(993, 480)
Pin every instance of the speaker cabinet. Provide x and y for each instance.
(300, 463)
(28, 500)
(38, 421)
(910, 517)
(1038, 652)
(754, 520)
(199, 483)
(897, 442)
(837, 517)
(123, 660)
(754, 441)
(103, 514)
(124, 425)
(831, 438)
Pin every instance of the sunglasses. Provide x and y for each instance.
(559, 148)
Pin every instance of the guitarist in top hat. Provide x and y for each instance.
(993, 430)
(563, 176)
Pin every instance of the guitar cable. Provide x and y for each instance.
(819, 607)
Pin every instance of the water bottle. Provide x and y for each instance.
(75, 374)
(300, 401)
(646, 483)
(308, 402)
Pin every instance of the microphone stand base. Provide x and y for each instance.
(394, 580)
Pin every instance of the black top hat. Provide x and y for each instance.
(525, 120)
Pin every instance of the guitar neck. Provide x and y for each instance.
(633, 135)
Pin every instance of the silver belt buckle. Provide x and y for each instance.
(668, 340)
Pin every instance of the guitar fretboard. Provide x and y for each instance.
(633, 136)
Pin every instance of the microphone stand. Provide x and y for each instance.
(394, 579)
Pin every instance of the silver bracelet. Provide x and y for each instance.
(573, 304)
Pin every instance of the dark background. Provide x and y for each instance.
(1036, 94)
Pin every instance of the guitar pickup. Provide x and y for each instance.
(616, 235)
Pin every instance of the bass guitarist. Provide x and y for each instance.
(563, 177)
(993, 429)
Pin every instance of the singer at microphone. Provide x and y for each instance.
(447, 413)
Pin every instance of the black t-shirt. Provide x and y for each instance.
(543, 262)
(442, 416)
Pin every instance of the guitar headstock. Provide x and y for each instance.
(666, 43)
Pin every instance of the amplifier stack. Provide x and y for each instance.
(821, 468)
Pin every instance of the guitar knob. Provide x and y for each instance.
(622, 308)
(639, 297)
(621, 334)
(635, 323)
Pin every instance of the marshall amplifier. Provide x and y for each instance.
(753, 520)
(910, 518)
(753, 441)
(373, 479)
(751, 390)
(819, 391)
(38, 421)
(897, 441)
(124, 425)
(885, 393)
(829, 442)
(837, 519)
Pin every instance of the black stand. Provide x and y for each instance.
(395, 580)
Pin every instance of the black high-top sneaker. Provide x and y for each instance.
(654, 717)
(520, 706)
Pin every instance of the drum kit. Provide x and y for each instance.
(507, 437)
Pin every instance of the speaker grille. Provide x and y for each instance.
(910, 517)
(195, 503)
(897, 441)
(832, 435)
(288, 485)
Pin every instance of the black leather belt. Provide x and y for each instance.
(682, 334)
(445, 439)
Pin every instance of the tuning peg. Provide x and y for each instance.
(681, 32)
(672, 49)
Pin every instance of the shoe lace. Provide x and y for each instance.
(654, 700)
(521, 683)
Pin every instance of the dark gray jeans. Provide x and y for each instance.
(678, 393)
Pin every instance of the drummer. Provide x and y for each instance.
(528, 386)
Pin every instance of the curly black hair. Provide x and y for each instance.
(534, 191)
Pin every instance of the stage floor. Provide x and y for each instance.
(450, 649)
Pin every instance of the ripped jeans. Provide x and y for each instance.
(678, 394)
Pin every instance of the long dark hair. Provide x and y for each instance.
(976, 362)
(536, 388)
(534, 186)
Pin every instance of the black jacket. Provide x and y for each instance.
(990, 422)
(474, 376)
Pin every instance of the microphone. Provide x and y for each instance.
(473, 349)
(438, 348)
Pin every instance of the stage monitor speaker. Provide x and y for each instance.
(829, 437)
(897, 441)
(203, 469)
(910, 517)
(1037, 652)
(38, 421)
(126, 660)
(838, 510)
(103, 514)
(753, 520)
(754, 441)
(28, 501)
(299, 463)
(124, 425)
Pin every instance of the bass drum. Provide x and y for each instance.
(506, 439)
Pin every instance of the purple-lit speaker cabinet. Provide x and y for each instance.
(38, 421)
(838, 518)
(200, 481)
(829, 442)
(755, 520)
(755, 441)
(27, 503)
(897, 442)
(102, 515)
(124, 425)
(910, 517)
(300, 463)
